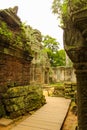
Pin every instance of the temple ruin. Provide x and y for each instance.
(20, 70)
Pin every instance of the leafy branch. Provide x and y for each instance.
(64, 9)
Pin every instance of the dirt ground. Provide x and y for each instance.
(71, 119)
(69, 124)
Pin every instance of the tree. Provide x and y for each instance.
(51, 46)
(60, 8)
(51, 43)
(64, 8)
(61, 58)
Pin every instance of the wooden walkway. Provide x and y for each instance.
(49, 117)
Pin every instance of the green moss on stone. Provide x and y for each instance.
(22, 99)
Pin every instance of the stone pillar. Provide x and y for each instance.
(79, 58)
(75, 44)
(81, 75)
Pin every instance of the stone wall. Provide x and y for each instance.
(70, 90)
(17, 96)
(66, 89)
(40, 65)
(22, 99)
(36, 73)
(13, 71)
(62, 74)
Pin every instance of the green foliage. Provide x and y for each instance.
(17, 38)
(21, 99)
(4, 31)
(8, 35)
(56, 56)
(50, 43)
(2, 110)
(56, 7)
(60, 58)
(64, 8)
(58, 89)
(51, 47)
(60, 7)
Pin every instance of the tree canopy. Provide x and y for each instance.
(56, 56)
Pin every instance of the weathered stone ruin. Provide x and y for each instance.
(75, 42)
(17, 95)
(64, 74)
(40, 65)
(65, 79)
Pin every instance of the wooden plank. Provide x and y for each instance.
(48, 117)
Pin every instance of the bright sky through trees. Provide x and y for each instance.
(38, 14)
